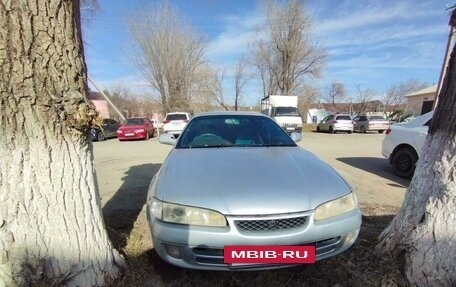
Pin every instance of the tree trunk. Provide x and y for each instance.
(424, 230)
(51, 227)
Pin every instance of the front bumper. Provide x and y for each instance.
(132, 136)
(343, 128)
(202, 247)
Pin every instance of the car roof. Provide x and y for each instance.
(174, 113)
(230, 113)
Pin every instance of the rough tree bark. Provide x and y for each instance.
(51, 226)
(424, 230)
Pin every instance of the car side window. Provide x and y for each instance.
(356, 118)
(330, 118)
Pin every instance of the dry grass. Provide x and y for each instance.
(360, 266)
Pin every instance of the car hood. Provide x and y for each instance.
(248, 180)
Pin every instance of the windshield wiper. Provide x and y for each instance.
(210, 146)
(277, 144)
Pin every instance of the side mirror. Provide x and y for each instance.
(296, 137)
(168, 139)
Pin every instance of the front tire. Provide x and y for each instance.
(100, 136)
(404, 161)
(380, 131)
(318, 129)
(331, 130)
(363, 130)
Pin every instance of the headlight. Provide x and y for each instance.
(140, 131)
(336, 207)
(182, 214)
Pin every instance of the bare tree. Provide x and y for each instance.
(208, 89)
(395, 95)
(424, 231)
(287, 53)
(363, 96)
(335, 93)
(241, 78)
(169, 53)
(51, 225)
(308, 97)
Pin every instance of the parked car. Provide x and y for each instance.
(175, 123)
(336, 123)
(135, 128)
(403, 142)
(239, 179)
(370, 123)
(107, 129)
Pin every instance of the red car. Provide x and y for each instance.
(135, 128)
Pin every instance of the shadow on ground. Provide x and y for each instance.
(122, 210)
(377, 166)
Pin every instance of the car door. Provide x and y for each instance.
(329, 122)
(112, 128)
(356, 123)
(322, 124)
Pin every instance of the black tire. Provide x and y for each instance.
(331, 130)
(100, 136)
(362, 129)
(380, 131)
(318, 129)
(349, 132)
(404, 161)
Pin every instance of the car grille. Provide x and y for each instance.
(270, 224)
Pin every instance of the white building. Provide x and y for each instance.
(421, 102)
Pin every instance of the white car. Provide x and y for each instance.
(403, 143)
(336, 123)
(175, 123)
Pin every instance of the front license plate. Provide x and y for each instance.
(130, 135)
(252, 255)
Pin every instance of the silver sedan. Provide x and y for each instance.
(240, 179)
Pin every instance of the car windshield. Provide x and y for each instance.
(134, 122)
(343, 118)
(376, 118)
(285, 111)
(176, 117)
(233, 131)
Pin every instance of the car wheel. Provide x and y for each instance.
(363, 130)
(318, 129)
(380, 131)
(349, 132)
(100, 136)
(331, 130)
(404, 161)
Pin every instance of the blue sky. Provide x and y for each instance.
(373, 44)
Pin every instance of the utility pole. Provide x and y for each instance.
(106, 98)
